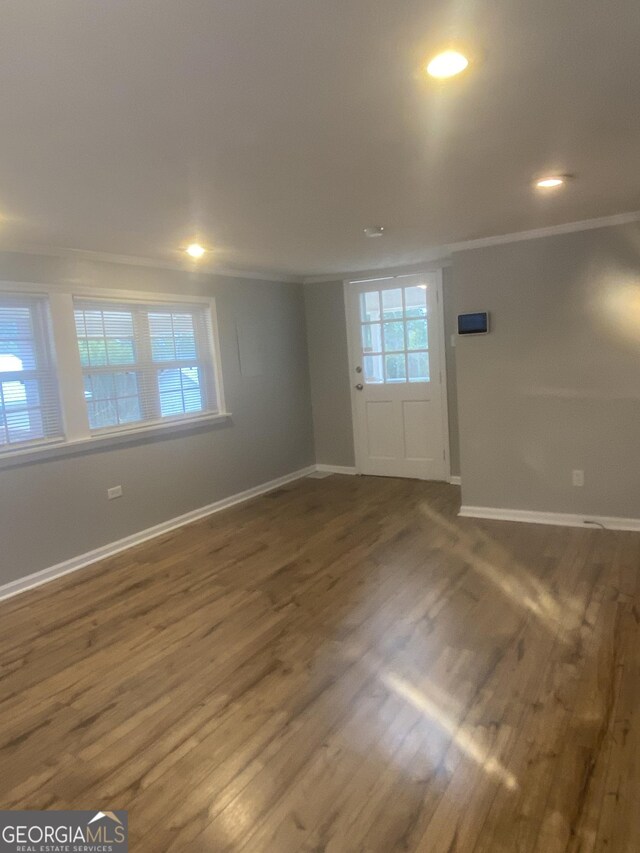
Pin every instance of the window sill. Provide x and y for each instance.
(53, 450)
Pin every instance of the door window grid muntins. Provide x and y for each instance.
(394, 336)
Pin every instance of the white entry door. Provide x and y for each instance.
(397, 370)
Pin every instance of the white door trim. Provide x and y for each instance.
(354, 356)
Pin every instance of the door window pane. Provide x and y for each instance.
(372, 369)
(415, 301)
(394, 337)
(418, 366)
(371, 338)
(417, 334)
(395, 368)
(394, 323)
(370, 306)
(392, 304)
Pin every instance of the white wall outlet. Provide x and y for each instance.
(114, 492)
(578, 478)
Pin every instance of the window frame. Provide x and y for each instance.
(63, 344)
(45, 373)
(148, 369)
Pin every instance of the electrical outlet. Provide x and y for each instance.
(578, 478)
(114, 492)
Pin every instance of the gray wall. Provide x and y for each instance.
(555, 386)
(328, 364)
(53, 510)
(329, 370)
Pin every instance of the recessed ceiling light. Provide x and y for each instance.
(195, 250)
(447, 64)
(375, 231)
(422, 286)
(550, 182)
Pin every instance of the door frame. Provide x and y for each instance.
(354, 352)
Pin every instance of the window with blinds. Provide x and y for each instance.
(29, 403)
(143, 363)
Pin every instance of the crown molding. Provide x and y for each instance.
(548, 231)
(150, 263)
(434, 258)
(441, 256)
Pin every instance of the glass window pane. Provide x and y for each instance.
(112, 399)
(169, 380)
(394, 337)
(171, 403)
(83, 346)
(102, 413)
(10, 364)
(418, 366)
(415, 301)
(25, 425)
(81, 329)
(102, 386)
(126, 384)
(160, 324)
(129, 410)
(93, 323)
(372, 369)
(185, 346)
(370, 306)
(118, 324)
(14, 394)
(17, 355)
(395, 370)
(15, 322)
(392, 304)
(191, 389)
(120, 351)
(417, 334)
(371, 338)
(88, 388)
(97, 352)
(163, 349)
(32, 390)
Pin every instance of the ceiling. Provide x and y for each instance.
(276, 130)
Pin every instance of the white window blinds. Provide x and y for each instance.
(144, 363)
(29, 403)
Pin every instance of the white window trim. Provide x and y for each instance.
(78, 437)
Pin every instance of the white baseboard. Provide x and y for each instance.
(455, 480)
(45, 575)
(558, 518)
(336, 469)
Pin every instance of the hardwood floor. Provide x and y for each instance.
(342, 665)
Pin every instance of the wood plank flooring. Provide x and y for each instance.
(342, 665)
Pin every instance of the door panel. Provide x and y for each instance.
(396, 365)
(416, 441)
(381, 440)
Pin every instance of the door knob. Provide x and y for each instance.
(359, 386)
